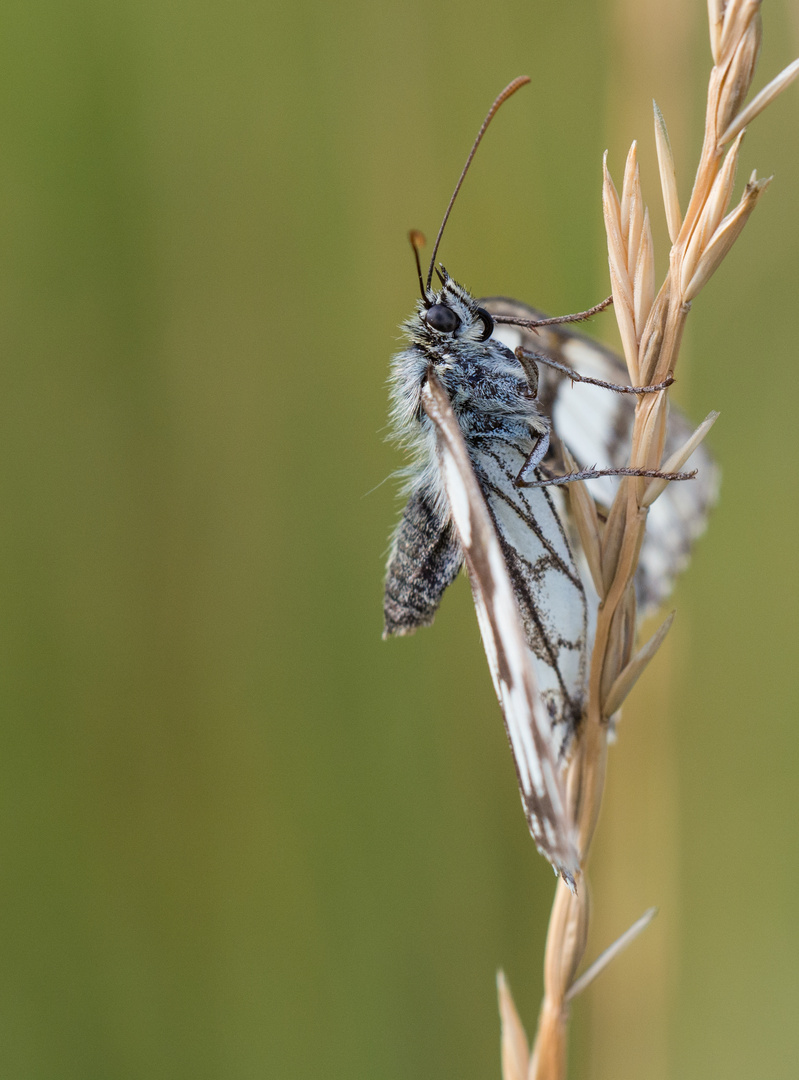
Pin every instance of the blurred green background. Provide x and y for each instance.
(241, 836)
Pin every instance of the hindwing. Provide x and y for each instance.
(595, 425)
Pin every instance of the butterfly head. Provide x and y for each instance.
(448, 316)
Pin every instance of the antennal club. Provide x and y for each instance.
(418, 241)
(510, 89)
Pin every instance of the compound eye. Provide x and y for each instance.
(488, 323)
(441, 318)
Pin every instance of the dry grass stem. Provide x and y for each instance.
(651, 326)
(602, 961)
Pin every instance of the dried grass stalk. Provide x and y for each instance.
(651, 327)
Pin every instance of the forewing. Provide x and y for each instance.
(504, 641)
(595, 424)
(546, 583)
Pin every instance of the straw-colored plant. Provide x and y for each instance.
(651, 327)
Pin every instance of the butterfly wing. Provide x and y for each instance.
(546, 583)
(526, 721)
(595, 424)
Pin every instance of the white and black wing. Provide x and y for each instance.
(509, 658)
(426, 556)
(546, 582)
(595, 425)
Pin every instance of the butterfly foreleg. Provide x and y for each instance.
(534, 459)
(529, 359)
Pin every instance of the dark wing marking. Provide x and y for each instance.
(546, 583)
(595, 425)
(425, 558)
(526, 724)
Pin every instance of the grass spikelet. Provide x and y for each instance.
(758, 104)
(668, 175)
(515, 1048)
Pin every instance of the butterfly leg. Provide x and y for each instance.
(527, 358)
(528, 362)
(534, 459)
(579, 316)
(593, 474)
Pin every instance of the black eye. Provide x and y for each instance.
(488, 323)
(441, 318)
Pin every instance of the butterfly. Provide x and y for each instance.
(487, 431)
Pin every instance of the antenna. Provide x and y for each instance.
(418, 241)
(510, 89)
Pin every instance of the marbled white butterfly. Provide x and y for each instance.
(483, 431)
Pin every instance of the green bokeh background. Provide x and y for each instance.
(240, 836)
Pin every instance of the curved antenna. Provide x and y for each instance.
(511, 88)
(418, 241)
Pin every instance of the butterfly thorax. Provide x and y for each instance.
(485, 382)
